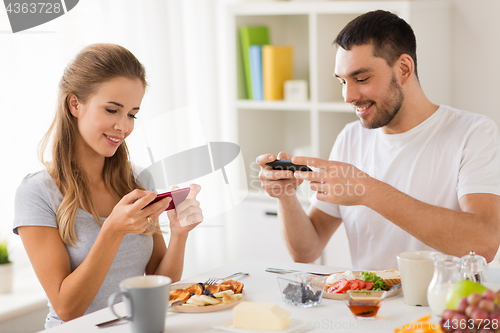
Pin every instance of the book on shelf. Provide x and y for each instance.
(277, 67)
(255, 56)
(251, 35)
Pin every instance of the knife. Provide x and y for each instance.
(392, 290)
(286, 271)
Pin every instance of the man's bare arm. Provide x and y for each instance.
(305, 235)
(475, 228)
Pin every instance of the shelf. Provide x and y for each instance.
(272, 105)
(310, 128)
(336, 107)
(293, 106)
(292, 30)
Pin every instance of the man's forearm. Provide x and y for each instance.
(299, 234)
(446, 230)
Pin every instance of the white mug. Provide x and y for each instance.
(146, 299)
(416, 269)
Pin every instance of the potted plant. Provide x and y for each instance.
(5, 269)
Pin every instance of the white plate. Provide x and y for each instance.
(298, 326)
(356, 274)
(206, 308)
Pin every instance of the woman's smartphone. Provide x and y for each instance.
(177, 196)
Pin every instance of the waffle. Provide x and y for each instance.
(195, 289)
(235, 286)
(212, 288)
(225, 292)
(179, 294)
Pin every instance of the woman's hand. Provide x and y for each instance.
(131, 216)
(187, 214)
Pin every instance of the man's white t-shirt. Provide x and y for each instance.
(449, 155)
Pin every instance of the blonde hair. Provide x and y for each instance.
(93, 66)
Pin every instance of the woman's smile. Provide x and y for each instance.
(115, 141)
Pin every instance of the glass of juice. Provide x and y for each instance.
(364, 304)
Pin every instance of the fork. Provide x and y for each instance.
(214, 280)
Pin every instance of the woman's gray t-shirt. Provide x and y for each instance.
(36, 203)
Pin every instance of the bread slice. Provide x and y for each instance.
(391, 277)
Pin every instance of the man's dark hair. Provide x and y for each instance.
(389, 34)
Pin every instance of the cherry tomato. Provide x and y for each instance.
(339, 287)
(368, 285)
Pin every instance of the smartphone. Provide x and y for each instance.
(177, 196)
(287, 165)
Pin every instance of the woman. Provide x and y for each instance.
(83, 220)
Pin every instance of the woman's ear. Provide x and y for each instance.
(74, 105)
(406, 68)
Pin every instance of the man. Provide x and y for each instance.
(409, 175)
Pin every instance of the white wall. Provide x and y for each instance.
(476, 56)
(32, 62)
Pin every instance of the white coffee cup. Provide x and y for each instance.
(416, 269)
(146, 299)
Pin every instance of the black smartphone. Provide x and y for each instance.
(287, 165)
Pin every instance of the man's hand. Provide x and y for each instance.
(340, 183)
(277, 183)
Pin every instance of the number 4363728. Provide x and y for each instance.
(33, 8)
(463, 324)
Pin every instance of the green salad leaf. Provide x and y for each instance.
(378, 283)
